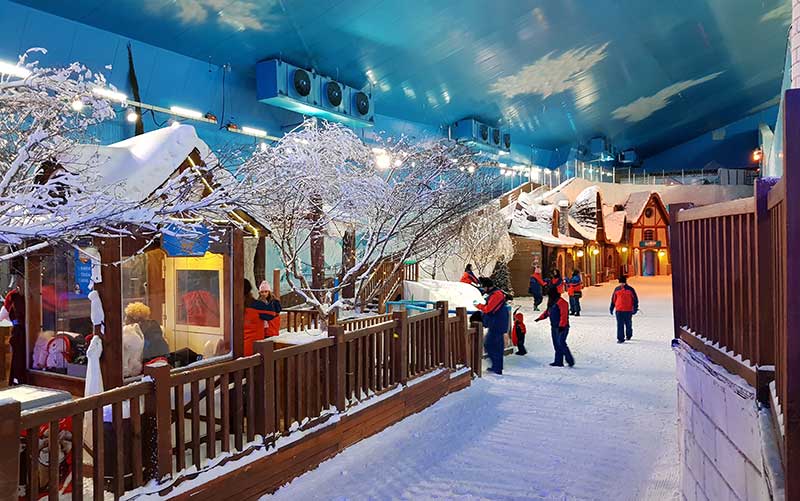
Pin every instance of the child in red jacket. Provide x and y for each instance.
(518, 334)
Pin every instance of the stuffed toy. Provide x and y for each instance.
(40, 349)
(132, 347)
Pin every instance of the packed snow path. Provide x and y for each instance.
(603, 430)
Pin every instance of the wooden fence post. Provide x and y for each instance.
(9, 460)
(340, 366)
(477, 350)
(444, 342)
(158, 417)
(791, 296)
(764, 352)
(463, 334)
(401, 345)
(265, 388)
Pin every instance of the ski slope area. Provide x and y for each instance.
(604, 430)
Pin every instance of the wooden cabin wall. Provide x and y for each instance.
(521, 265)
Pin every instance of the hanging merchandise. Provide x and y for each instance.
(178, 242)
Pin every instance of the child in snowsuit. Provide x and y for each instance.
(536, 287)
(518, 334)
(574, 289)
(558, 313)
(626, 303)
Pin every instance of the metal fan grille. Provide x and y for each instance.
(362, 103)
(334, 93)
(302, 82)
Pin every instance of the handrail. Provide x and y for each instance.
(299, 349)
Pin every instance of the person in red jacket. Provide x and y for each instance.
(469, 277)
(556, 282)
(255, 314)
(626, 303)
(518, 334)
(558, 313)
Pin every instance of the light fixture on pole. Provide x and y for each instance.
(14, 70)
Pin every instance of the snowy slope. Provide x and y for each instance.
(605, 430)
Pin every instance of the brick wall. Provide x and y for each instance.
(794, 40)
(719, 434)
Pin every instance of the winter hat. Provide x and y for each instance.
(264, 287)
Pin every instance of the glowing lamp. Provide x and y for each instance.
(132, 116)
(77, 105)
(757, 154)
(624, 249)
(662, 253)
(14, 70)
(579, 253)
(595, 252)
(471, 169)
(383, 160)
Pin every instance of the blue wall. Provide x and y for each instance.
(733, 147)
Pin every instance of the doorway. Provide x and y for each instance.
(649, 265)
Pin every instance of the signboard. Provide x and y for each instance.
(650, 243)
(83, 273)
(178, 242)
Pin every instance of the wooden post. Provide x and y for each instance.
(265, 388)
(463, 332)
(237, 294)
(791, 343)
(444, 344)
(349, 259)
(401, 345)
(678, 271)
(156, 426)
(339, 354)
(477, 350)
(111, 295)
(765, 335)
(276, 283)
(9, 460)
(260, 265)
(33, 302)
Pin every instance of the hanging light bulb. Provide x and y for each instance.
(263, 146)
(132, 116)
(76, 105)
(471, 169)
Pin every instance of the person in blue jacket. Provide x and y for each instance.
(496, 320)
(574, 290)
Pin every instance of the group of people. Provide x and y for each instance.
(495, 316)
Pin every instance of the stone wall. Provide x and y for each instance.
(720, 440)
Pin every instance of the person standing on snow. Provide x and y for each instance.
(574, 290)
(626, 303)
(536, 287)
(495, 319)
(558, 313)
(518, 333)
(469, 277)
(272, 326)
(556, 282)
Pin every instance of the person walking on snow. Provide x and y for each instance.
(574, 290)
(536, 287)
(469, 277)
(518, 333)
(626, 303)
(556, 282)
(495, 319)
(558, 313)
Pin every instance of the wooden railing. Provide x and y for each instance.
(385, 281)
(300, 320)
(154, 429)
(362, 322)
(736, 289)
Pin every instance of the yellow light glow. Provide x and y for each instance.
(579, 253)
(662, 253)
(624, 249)
(595, 252)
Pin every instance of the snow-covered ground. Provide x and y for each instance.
(605, 430)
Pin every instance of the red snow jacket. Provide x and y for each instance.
(519, 328)
(624, 299)
(558, 314)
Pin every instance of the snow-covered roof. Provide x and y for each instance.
(614, 224)
(535, 221)
(583, 213)
(636, 203)
(138, 166)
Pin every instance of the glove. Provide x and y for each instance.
(635, 312)
(611, 312)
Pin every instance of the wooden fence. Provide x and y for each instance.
(171, 420)
(736, 289)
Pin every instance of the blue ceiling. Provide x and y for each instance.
(646, 73)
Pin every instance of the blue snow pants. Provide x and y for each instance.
(494, 345)
(624, 325)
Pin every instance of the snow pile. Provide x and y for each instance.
(614, 224)
(138, 166)
(537, 222)
(457, 294)
(302, 337)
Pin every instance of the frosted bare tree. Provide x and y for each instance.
(399, 197)
(484, 239)
(45, 115)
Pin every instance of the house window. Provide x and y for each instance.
(648, 212)
(649, 235)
